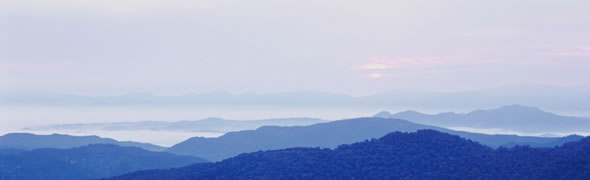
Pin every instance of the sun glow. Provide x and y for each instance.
(375, 75)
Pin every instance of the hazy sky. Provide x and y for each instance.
(110, 47)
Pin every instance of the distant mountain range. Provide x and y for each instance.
(426, 154)
(330, 135)
(26, 141)
(83, 157)
(205, 125)
(514, 117)
(327, 134)
(92, 161)
(576, 99)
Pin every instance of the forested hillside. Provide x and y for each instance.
(92, 161)
(426, 154)
(332, 134)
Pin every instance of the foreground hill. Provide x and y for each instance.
(28, 141)
(330, 135)
(514, 117)
(426, 154)
(92, 161)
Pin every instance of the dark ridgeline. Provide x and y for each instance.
(426, 154)
(92, 161)
(332, 134)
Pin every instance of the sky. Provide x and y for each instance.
(84, 61)
(488, 54)
(173, 47)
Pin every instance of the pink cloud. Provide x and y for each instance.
(582, 51)
(380, 63)
(573, 54)
(376, 66)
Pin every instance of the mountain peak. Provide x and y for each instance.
(383, 114)
(387, 114)
(213, 119)
(408, 113)
(518, 107)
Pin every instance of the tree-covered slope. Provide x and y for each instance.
(426, 154)
(92, 161)
(27, 141)
(330, 135)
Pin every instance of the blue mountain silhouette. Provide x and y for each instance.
(513, 117)
(330, 135)
(425, 154)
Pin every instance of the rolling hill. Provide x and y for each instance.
(27, 141)
(330, 135)
(91, 161)
(426, 154)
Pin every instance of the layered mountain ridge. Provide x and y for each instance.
(425, 154)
